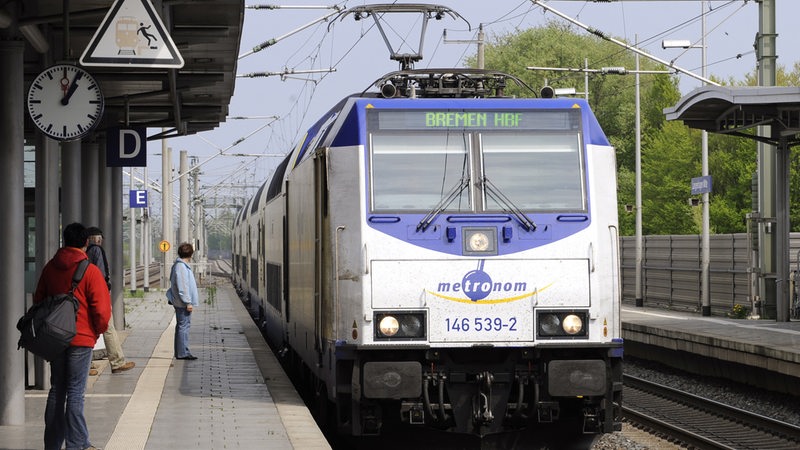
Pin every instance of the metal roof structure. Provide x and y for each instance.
(183, 101)
(734, 110)
(738, 111)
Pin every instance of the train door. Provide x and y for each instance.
(321, 300)
(262, 267)
(285, 272)
(301, 231)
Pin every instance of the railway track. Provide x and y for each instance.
(154, 276)
(702, 423)
(218, 268)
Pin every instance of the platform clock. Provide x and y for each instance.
(65, 102)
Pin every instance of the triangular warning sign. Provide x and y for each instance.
(132, 35)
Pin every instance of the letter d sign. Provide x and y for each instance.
(126, 147)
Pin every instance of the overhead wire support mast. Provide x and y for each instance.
(632, 48)
(274, 41)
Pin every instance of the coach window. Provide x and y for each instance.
(536, 171)
(414, 172)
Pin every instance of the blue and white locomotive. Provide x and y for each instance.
(444, 257)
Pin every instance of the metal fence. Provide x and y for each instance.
(671, 271)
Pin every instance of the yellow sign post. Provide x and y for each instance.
(163, 246)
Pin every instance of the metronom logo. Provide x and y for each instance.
(476, 285)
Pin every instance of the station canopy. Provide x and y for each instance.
(736, 110)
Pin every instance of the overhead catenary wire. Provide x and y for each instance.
(602, 35)
(221, 151)
(284, 73)
(273, 41)
(608, 59)
(292, 119)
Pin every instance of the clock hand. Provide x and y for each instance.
(64, 82)
(72, 87)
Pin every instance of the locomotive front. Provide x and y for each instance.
(477, 278)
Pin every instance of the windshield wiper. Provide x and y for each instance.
(508, 205)
(443, 203)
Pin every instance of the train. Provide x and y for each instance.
(438, 254)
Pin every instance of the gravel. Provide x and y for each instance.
(781, 407)
(619, 441)
(770, 404)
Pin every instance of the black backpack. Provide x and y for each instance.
(49, 326)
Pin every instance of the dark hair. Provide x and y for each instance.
(185, 250)
(75, 235)
(94, 231)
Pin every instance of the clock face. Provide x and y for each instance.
(65, 102)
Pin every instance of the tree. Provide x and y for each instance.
(613, 102)
(671, 158)
(671, 152)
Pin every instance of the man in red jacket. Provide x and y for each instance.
(63, 416)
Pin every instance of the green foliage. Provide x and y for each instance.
(738, 312)
(211, 295)
(626, 196)
(670, 152)
(732, 162)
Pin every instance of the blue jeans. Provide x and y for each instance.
(63, 416)
(183, 319)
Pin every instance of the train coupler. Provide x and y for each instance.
(371, 421)
(482, 402)
(547, 412)
(416, 415)
(591, 422)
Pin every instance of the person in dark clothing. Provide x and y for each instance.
(97, 256)
(63, 417)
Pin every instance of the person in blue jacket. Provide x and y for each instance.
(183, 295)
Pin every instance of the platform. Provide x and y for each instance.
(764, 353)
(234, 396)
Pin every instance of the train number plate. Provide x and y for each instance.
(486, 327)
(480, 324)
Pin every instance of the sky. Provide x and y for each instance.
(269, 114)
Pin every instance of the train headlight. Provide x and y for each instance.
(400, 325)
(411, 326)
(561, 324)
(388, 326)
(572, 324)
(549, 324)
(480, 241)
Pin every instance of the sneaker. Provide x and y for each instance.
(93, 372)
(127, 366)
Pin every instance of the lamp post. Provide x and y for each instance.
(705, 251)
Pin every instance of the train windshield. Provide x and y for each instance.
(418, 171)
(529, 160)
(536, 172)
